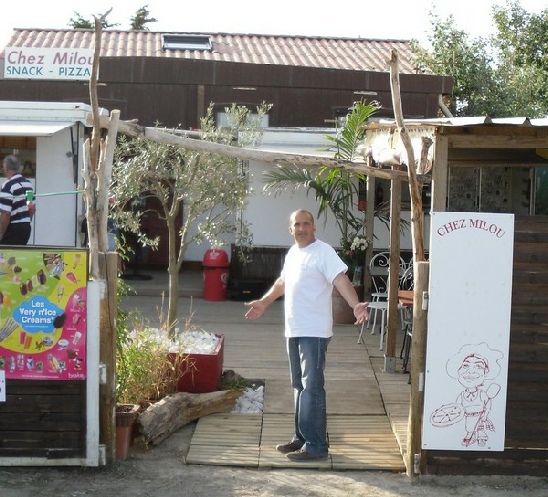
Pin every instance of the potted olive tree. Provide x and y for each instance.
(212, 188)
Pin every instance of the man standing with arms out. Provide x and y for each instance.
(15, 214)
(310, 271)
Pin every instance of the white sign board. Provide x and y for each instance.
(470, 294)
(48, 63)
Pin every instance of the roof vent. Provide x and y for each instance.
(186, 42)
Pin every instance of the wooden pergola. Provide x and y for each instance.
(98, 164)
(389, 153)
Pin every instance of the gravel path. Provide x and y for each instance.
(161, 472)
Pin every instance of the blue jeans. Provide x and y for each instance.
(307, 367)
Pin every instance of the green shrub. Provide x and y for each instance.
(145, 371)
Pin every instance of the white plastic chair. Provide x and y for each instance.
(379, 268)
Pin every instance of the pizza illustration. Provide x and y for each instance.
(447, 415)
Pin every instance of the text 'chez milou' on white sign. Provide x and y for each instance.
(47, 63)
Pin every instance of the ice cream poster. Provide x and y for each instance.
(43, 313)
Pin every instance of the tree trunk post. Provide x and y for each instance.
(108, 266)
(414, 460)
(414, 185)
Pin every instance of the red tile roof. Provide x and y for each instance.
(307, 51)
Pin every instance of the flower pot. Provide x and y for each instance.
(342, 312)
(126, 414)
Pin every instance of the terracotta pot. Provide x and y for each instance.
(126, 414)
(342, 312)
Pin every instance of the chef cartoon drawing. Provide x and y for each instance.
(473, 365)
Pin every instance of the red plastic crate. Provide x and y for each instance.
(202, 372)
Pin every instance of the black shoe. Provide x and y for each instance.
(288, 447)
(303, 456)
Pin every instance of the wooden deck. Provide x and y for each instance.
(367, 408)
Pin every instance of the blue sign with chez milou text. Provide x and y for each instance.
(39, 314)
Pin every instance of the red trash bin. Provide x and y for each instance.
(215, 265)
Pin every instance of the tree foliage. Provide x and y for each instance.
(80, 22)
(138, 21)
(466, 60)
(202, 191)
(503, 75)
(521, 43)
(141, 18)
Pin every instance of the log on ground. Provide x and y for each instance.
(177, 410)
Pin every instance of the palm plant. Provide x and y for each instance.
(336, 189)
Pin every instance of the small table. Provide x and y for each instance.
(405, 297)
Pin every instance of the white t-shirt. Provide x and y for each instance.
(308, 275)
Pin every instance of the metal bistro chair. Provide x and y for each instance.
(406, 285)
(379, 268)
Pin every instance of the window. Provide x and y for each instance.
(489, 189)
(24, 148)
(541, 191)
(223, 117)
(186, 42)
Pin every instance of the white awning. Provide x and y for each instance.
(32, 128)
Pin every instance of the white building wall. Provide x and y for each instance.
(56, 222)
(56, 215)
(268, 213)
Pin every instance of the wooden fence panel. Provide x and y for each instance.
(43, 419)
(526, 443)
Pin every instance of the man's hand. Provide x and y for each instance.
(256, 309)
(361, 312)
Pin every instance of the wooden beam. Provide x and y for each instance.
(415, 186)
(485, 164)
(393, 276)
(414, 460)
(440, 174)
(369, 233)
(492, 156)
(514, 141)
(108, 267)
(300, 160)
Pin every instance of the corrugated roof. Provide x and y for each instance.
(466, 121)
(334, 53)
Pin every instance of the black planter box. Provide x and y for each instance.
(245, 290)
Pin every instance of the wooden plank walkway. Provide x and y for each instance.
(367, 408)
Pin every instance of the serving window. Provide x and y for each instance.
(23, 147)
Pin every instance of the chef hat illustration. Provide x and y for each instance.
(480, 351)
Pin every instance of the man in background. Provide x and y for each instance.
(15, 213)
